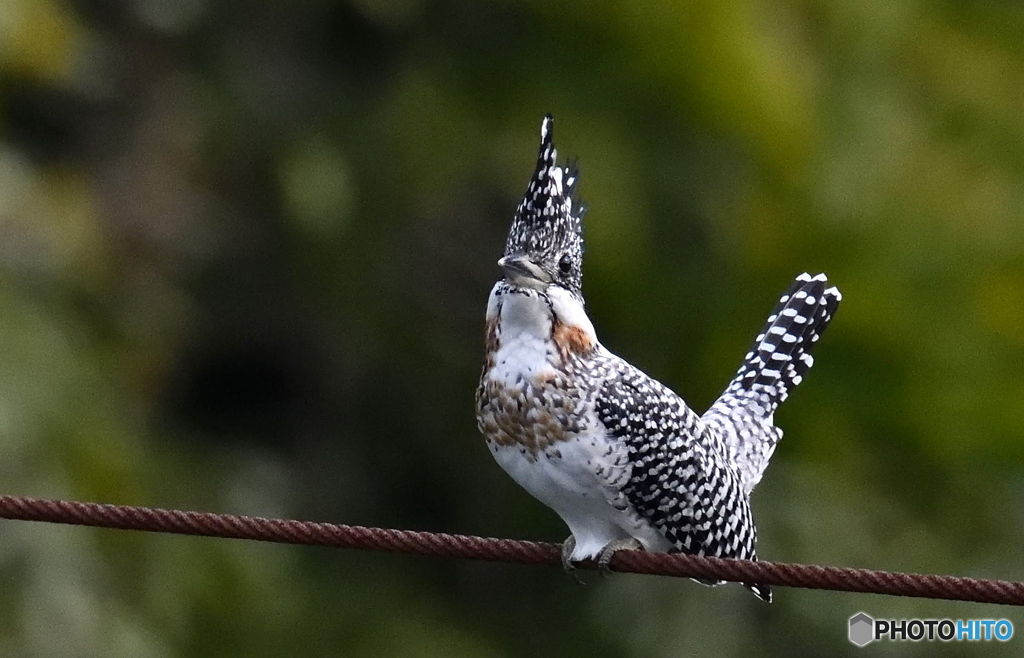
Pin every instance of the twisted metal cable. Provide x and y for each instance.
(507, 550)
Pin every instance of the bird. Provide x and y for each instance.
(620, 457)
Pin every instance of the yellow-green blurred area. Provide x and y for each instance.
(245, 249)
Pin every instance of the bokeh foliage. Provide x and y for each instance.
(244, 254)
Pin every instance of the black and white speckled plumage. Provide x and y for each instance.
(615, 453)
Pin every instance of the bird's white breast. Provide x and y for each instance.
(541, 427)
(524, 324)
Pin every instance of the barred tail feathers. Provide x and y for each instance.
(781, 353)
(780, 357)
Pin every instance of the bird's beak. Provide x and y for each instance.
(521, 271)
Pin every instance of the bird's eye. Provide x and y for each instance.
(565, 264)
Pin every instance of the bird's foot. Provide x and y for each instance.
(568, 546)
(604, 558)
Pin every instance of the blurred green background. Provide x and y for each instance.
(245, 249)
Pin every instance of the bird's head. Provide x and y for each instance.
(545, 242)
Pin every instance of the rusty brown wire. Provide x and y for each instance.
(506, 550)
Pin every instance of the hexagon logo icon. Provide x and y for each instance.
(862, 629)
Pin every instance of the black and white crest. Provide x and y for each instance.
(548, 226)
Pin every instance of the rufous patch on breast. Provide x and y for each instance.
(571, 340)
(491, 342)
